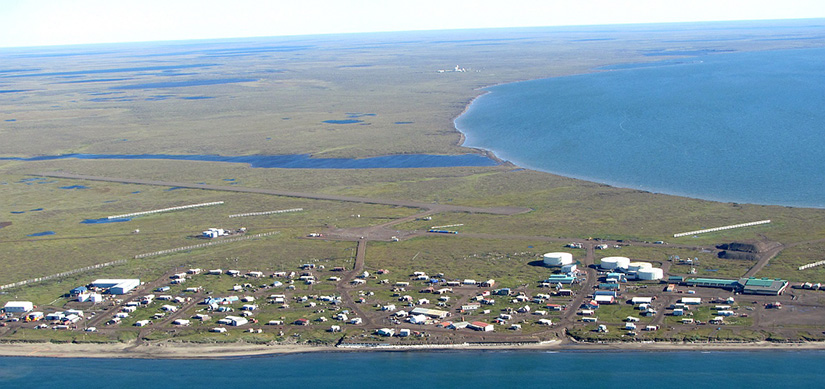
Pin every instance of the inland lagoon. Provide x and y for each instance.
(299, 161)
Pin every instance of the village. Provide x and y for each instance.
(614, 300)
(587, 290)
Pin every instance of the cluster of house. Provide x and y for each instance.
(131, 307)
(342, 316)
(306, 276)
(631, 326)
(721, 311)
(475, 325)
(425, 316)
(59, 320)
(439, 279)
(810, 286)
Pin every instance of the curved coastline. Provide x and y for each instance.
(658, 188)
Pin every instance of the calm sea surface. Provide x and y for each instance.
(494, 369)
(738, 127)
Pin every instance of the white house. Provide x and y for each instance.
(233, 321)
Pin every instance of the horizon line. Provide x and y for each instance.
(406, 31)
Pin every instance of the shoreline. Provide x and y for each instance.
(169, 350)
(490, 153)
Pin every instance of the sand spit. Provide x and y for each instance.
(170, 350)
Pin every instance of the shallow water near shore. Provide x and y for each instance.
(736, 127)
(435, 369)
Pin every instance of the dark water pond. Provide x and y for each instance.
(297, 161)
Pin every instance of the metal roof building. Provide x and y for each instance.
(18, 306)
(117, 286)
(434, 313)
(713, 283)
(764, 286)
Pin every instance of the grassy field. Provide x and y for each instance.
(561, 208)
(275, 101)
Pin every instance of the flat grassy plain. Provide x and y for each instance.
(272, 95)
(276, 96)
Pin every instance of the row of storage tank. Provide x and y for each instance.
(644, 270)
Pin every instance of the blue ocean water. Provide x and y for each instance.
(298, 161)
(739, 127)
(460, 369)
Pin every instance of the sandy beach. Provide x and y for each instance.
(171, 350)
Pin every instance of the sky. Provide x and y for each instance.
(59, 22)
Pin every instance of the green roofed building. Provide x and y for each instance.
(561, 279)
(713, 283)
(765, 286)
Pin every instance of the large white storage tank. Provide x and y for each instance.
(653, 273)
(558, 259)
(636, 266)
(615, 263)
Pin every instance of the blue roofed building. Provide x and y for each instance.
(78, 290)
